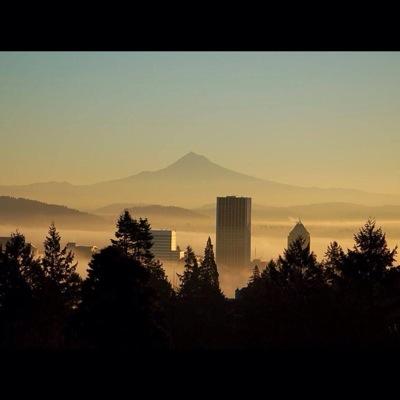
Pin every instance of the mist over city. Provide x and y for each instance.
(222, 176)
(186, 192)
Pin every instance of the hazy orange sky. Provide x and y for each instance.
(315, 119)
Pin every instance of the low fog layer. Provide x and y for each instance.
(269, 238)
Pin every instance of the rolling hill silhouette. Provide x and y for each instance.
(24, 212)
(320, 211)
(191, 181)
(150, 211)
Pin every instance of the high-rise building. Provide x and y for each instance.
(233, 239)
(81, 251)
(164, 245)
(299, 231)
(5, 239)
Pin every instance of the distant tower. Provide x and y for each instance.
(299, 231)
(233, 236)
(164, 245)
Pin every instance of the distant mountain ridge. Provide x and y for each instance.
(21, 212)
(150, 211)
(25, 212)
(189, 182)
(321, 211)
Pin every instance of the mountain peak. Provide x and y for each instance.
(190, 159)
(192, 156)
(195, 166)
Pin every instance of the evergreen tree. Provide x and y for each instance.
(298, 265)
(190, 281)
(135, 240)
(126, 234)
(366, 288)
(333, 262)
(255, 276)
(199, 280)
(60, 270)
(129, 265)
(159, 280)
(258, 308)
(18, 250)
(20, 281)
(285, 304)
(144, 242)
(119, 310)
(208, 269)
(201, 307)
(270, 269)
(370, 259)
(20, 253)
(15, 303)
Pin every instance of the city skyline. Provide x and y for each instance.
(190, 203)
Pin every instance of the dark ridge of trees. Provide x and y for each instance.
(126, 297)
(61, 290)
(118, 308)
(37, 213)
(350, 299)
(37, 295)
(201, 308)
(59, 271)
(16, 292)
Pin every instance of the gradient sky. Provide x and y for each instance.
(312, 119)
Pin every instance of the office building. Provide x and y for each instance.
(81, 251)
(233, 236)
(5, 239)
(164, 245)
(299, 231)
(261, 264)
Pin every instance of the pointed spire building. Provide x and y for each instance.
(299, 231)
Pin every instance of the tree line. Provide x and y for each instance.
(349, 299)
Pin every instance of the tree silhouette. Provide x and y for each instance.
(299, 266)
(144, 242)
(201, 305)
(60, 291)
(348, 300)
(365, 287)
(255, 276)
(118, 309)
(126, 234)
(190, 281)
(159, 281)
(60, 270)
(15, 301)
(370, 259)
(208, 270)
(20, 280)
(286, 304)
(134, 239)
(333, 261)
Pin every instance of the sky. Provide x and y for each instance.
(322, 119)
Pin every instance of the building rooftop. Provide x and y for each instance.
(299, 228)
